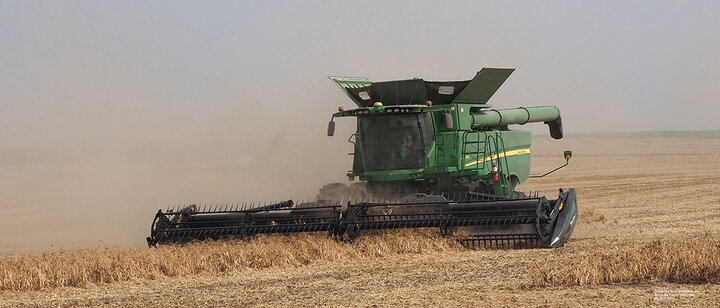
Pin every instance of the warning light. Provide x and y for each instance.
(377, 104)
(428, 103)
(341, 108)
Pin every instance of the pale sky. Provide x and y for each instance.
(93, 73)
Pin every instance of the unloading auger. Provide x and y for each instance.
(428, 155)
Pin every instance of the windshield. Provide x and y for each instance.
(394, 142)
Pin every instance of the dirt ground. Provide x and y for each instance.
(630, 191)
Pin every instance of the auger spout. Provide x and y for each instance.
(489, 118)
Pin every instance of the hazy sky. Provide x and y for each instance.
(88, 73)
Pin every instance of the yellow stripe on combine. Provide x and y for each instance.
(506, 154)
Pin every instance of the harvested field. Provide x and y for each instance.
(689, 261)
(647, 235)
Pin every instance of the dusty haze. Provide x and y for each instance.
(110, 111)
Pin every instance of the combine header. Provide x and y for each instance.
(427, 154)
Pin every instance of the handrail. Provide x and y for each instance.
(497, 141)
(440, 140)
(478, 149)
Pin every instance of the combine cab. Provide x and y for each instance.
(427, 154)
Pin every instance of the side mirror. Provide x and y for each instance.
(331, 128)
(447, 119)
(567, 155)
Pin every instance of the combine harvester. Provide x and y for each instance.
(427, 154)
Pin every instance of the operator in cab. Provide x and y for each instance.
(410, 153)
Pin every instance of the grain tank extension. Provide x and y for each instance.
(426, 154)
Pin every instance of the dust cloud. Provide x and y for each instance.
(79, 197)
(95, 140)
(95, 149)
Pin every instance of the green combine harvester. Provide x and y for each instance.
(427, 154)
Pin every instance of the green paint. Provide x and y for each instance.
(478, 138)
